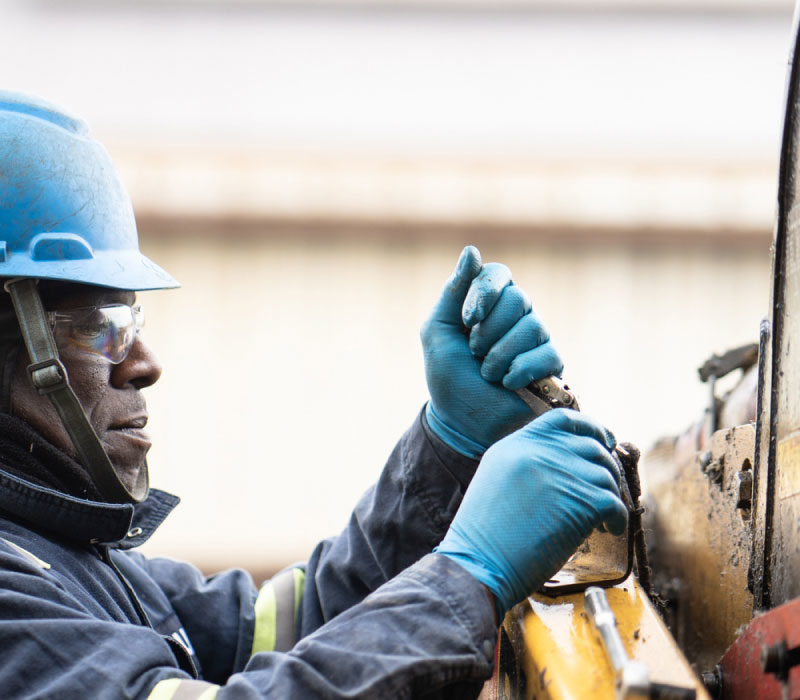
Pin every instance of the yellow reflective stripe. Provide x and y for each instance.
(299, 588)
(180, 689)
(277, 606)
(164, 690)
(266, 613)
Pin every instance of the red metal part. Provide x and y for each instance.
(742, 677)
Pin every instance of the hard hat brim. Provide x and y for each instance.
(124, 270)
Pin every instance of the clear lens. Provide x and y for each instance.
(105, 330)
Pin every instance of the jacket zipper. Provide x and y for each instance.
(106, 557)
(189, 666)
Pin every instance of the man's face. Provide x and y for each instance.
(110, 394)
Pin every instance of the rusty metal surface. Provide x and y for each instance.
(741, 667)
(549, 649)
(763, 493)
(779, 418)
(701, 545)
(785, 553)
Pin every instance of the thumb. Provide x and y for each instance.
(573, 423)
(615, 515)
(448, 308)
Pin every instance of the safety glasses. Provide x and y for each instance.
(104, 330)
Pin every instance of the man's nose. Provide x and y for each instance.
(140, 368)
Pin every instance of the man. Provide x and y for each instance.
(374, 613)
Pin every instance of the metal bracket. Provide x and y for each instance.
(632, 677)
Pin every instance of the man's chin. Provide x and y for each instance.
(133, 478)
(130, 465)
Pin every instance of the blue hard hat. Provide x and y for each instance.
(64, 212)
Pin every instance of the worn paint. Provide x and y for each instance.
(789, 459)
(559, 655)
(702, 542)
(742, 677)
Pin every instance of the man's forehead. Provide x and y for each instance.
(67, 295)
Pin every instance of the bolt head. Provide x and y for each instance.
(773, 657)
(743, 483)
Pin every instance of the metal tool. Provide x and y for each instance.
(545, 394)
(603, 559)
(632, 677)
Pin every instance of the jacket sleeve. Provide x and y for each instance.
(427, 633)
(398, 521)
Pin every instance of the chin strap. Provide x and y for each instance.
(49, 377)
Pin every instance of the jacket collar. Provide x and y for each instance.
(119, 525)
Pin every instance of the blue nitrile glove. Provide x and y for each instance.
(536, 495)
(481, 342)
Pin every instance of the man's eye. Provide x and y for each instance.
(91, 327)
(85, 333)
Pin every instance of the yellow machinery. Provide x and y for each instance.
(723, 521)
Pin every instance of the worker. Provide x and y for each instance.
(476, 507)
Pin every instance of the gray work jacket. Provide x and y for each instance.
(371, 614)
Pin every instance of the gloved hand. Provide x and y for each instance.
(536, 495)
(480, 343)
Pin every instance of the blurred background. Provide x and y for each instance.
(311, 170)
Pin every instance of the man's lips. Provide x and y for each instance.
(132, 423)
(133, 427)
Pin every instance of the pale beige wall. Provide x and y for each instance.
(293, 365)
